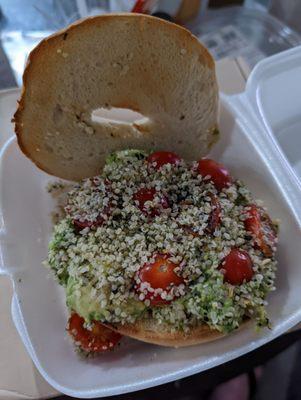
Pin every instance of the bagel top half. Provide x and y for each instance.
(130, 61)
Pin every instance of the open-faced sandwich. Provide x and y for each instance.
(157, 242)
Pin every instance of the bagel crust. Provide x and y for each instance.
(148, 331)
(129, 61)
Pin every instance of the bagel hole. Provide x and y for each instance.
(117, 116)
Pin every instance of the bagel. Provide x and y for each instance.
(147, 330)
(130, 61)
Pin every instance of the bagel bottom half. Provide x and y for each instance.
(147, 330)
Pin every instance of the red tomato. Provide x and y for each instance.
(260, 225)
(99, 339)
(92, 224)
(88, 224)
(219, 175)
(160, 158)
(215, 215)
(143, 195)
(238, 267)
(84, 223)
(160, 275)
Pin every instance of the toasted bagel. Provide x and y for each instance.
(147, 330)
(129, 61)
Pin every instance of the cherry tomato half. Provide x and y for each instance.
(215, 215)
(238, 267)
(259, 224)
(82, 224)
(160, 158)
(79, 224)
(143, 195)
(160, 275)
(218, 174)
(99, 339)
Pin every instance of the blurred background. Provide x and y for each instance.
(252, 29)
(248, 31)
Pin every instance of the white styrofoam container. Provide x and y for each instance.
(249, 124)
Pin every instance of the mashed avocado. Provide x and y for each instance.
(125, 155)
(80, 299)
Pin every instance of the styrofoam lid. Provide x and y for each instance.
(274, 93)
